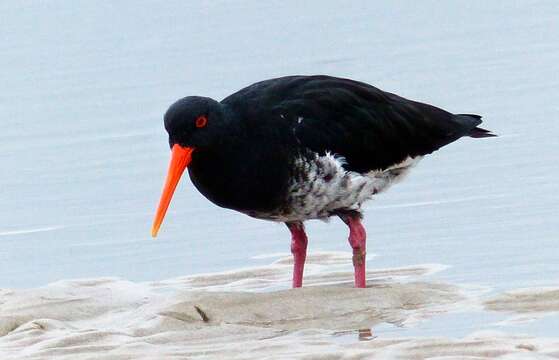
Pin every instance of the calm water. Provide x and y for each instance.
(84, 153)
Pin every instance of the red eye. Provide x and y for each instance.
(201, 121)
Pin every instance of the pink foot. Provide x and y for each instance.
(299, 251)
(357, 240)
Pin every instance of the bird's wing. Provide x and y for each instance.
(370, 128)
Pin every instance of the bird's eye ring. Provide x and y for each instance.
(201, 121)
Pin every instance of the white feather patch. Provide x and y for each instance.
(322, 185)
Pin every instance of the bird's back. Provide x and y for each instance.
(372, 129)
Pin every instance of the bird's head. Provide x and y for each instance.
(192, 123)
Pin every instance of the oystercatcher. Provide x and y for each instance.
(297, 148)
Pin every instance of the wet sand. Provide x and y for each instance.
(252, 314)
(525, 301)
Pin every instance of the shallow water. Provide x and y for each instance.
(84, 153)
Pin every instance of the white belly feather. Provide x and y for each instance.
(323, 186)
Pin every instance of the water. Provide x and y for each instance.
(84, 152)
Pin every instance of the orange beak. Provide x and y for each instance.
(180, 158)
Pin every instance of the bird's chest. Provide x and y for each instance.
(247, 179)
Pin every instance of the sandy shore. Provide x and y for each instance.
(251, 313)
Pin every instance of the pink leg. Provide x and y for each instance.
(299, 251)
(357, 240)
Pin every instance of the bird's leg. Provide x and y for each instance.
(357, 240)
(299, 251)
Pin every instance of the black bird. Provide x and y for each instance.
(297, 148)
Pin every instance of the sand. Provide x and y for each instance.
(523, 301)
(250, 314)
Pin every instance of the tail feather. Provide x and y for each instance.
(476, 132)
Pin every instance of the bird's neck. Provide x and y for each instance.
(231, 127)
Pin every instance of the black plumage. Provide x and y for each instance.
(371, 128)
(244, 157)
